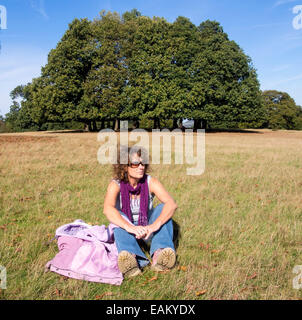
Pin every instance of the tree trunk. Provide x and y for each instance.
(102, 125)
(197, 124)
(89, 126)
(116, 125)
(136, 124)
(204, 124)
(94, 127)
(175, 123)
(156, 123)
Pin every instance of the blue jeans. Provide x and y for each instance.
(162, 238)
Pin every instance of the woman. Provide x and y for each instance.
(129, 205)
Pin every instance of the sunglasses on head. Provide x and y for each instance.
(135, 164)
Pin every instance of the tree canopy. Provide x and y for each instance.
(281, 111)
(140, 68)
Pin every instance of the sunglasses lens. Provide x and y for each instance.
(136, 164)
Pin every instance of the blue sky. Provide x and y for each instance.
(263, 29)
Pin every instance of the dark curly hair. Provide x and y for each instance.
(123, 155)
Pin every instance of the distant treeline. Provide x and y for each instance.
(150, 72)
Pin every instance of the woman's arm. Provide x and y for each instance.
(114, 216)
(169, 208)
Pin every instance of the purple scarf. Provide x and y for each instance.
(142, 189)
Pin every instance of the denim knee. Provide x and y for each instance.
(155, 213)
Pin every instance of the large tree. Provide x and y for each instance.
(149, 94)
(107, 77)
(62, 81)
(20, 117)
(183, 48)
(137, 68)
(281, 110)
(224, 83)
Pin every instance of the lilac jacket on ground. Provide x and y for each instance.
(86, 253)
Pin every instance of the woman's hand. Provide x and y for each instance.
(150, 229)
(138, 231)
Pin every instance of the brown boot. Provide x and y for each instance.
(128, 265)
(163, 259)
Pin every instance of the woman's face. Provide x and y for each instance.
(134, 170)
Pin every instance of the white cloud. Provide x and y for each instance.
(283, 81)
(281, 2)
(38, 5)
(15, 72)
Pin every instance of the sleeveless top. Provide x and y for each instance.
(134, 203)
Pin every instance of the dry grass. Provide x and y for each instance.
(240, 222)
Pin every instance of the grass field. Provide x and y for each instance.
(240, 222)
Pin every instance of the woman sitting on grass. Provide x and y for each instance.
(129, 205)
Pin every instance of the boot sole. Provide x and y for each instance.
(165, 260)
(128, 265)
